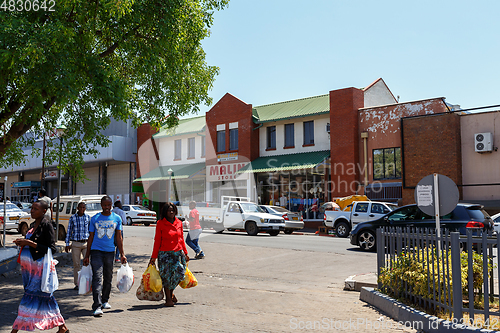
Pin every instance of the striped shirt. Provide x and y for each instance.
(78, 228)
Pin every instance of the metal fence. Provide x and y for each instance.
(436, 271)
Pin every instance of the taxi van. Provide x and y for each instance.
(67, 207)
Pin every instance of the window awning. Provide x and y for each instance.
(286, 162)
(180, 171)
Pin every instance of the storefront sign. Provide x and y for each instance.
(51, 174)
(227, 157)
(225, 172)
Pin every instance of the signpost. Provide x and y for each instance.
(436, 195)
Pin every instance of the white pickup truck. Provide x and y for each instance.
(359, 211)
(239, 213)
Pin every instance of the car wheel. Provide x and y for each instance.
(367, 240)
(61, 235)
(251, 228)
(274, 232)
(288, 231)
(342, 229)
(23, 228)
(129, 221)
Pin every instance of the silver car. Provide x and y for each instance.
(293, 220)
(139, 214)
(12, 215)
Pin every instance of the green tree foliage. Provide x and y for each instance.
(89, 61)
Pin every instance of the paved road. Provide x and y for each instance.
(286, 283)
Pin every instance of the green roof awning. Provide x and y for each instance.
(303, 107)
(185, 126)
(181, 171)
(286, 162)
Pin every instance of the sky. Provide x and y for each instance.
(270, 51)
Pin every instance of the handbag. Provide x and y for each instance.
(85, 280)
(189, 280)
(144, 295)
(50, 282)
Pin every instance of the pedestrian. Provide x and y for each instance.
(78, 234)
(170, 249)
(42, 196)
(102, 234)
(37, 310)
(118, 209)
(195, 231)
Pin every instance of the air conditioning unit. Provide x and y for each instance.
(483, 142)
(328, 128)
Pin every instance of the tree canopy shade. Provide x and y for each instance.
(89, 61)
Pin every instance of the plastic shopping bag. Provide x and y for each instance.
(189, 280)
(144, 295)
(152, 279)
(125, 278)
(50, 282)
(85, 280)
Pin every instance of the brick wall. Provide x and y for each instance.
(344, 140)
(146, 158)
(431, 144)
(230, 109)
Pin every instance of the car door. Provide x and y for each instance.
(233, 217)
(360, 213)
(377, 211)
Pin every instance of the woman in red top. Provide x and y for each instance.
(170, 249)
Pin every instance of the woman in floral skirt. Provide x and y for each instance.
(38, 310)
(170, 249)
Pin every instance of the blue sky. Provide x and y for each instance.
(270, 51)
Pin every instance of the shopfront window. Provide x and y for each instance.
(386, 163)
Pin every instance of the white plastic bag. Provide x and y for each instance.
(85, 280)
(50, 282)
(125, 278)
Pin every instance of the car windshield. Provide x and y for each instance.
(280, 209)
(10, 207)
(139, 208)
(251, 208)
(477, 214)
(92, 206)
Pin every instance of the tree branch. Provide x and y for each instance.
(113, 47)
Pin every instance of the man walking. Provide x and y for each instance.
(104, 229)
(118, 210)
(78, 234)
(194, 231)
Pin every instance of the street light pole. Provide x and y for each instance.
(170, 171)
(60, 133)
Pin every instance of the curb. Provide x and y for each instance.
(410, 317)
(350, 284)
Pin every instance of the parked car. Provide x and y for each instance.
(12, 215)
(139, 214)
(463, 217)
(358, 211)
(293, 220)
(496, 223)
(24, 206)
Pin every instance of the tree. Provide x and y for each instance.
(86, 62)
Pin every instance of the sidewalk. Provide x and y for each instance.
(240, 289)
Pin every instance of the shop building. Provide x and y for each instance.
(111, 172)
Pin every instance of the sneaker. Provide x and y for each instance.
(200, 255)
(117, 260)
(106, 306)
(76, 288)
(98, 312)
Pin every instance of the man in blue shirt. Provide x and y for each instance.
(104, 230)
(78, 234)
